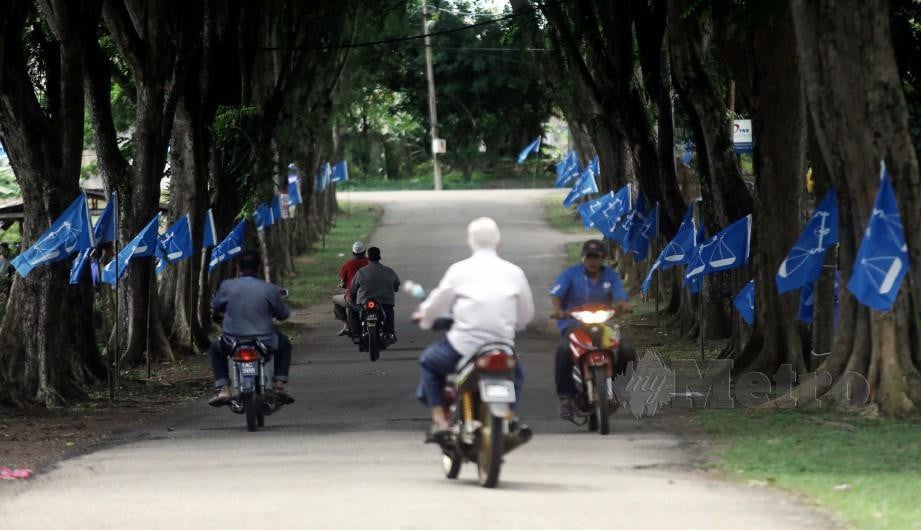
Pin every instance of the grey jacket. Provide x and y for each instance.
(375, 281)
(249, 305)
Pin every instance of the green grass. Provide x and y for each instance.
(316, 273)
(563, 219)
(865, 469)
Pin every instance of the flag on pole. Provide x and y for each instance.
(882, 259)
(678, 251)
(71, 232)
(745, 302)
(567, 170)
(804, 262)
(277, 212)
(531, 147)
(622, 232)
(726, 250)
(588, 209)
(584, 186)
(175, 244)
(76, 270)
(340, 172)
(606, 218)
(105, 225)
(294, 193)
(143, 244)
(229, 247)
(263, 217)
(209, 239)
(644, 234)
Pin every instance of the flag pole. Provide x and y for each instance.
(191, 315)
(117, 284)
(701, 292)
(658, 276)
(150, 282)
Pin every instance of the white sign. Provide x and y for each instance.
(742, 133)
(439, 145)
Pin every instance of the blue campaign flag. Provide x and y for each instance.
(209, 239)
(229, 247)
(688, 153)
(882, 259)
(606, 218)
(644, 234)
(294, 194)
(648, 281)
(323, 177)
(531, 147)
(584, 186)
(804, 262)
(71, 232)
(176, 242)
(263, 217)
(588, 209)
(143, 244)
(293, 172)
(726, 250)
(105, 225)
(276, 208)
(76, 270)
(678, 250)
(340, 172)
(567, 170)
(745, 302)
(631, 222)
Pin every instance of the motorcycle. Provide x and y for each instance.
(477, 402)
(372, 338)
(250, 382)
(594, 348)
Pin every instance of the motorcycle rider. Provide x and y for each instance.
(489, 299)
(245, 306)
(346, 274)
(589, 282)
(376, 282)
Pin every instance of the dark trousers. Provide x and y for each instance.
(565, 386)
(355, 320)
(439, 360)
(219, 354)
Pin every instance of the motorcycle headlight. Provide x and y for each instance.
(593, 317)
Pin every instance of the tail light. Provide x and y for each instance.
(496, 361)
(370, 304)
(246, 354)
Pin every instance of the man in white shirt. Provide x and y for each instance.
(488, 298)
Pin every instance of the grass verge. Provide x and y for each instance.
(316, 273)
(560, 218)
(865, 469)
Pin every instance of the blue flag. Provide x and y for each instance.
(807, 301)
(726, 250)
(263, 217)
(590, 208)
(294, 194)
(584, 186)
(76, 270)
(678, 251)
(69, 233)
(323, 176)
(606, 218)
(567, 170)
(648, 280)
(209, 238)
(532, 147)
(105, 225)
(143, 244)
(229, 247)
(644, 234)
(623, 231)
(745, 302)
(688, 153)
(882, 259)
(340, 172)
(277, 208)
(175, 244)
(804, 262)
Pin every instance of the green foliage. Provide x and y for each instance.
(9, 188)
(867, 470)
(563, 219)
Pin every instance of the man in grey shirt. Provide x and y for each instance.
(379, 283)
(248, 306)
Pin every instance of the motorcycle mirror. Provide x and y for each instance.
(283, 292)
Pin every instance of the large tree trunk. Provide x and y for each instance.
(845, 48)
(45, 351)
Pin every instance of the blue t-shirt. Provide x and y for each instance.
(574, 288)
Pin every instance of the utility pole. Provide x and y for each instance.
(430, 77)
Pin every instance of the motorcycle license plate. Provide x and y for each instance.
(247, 368)
(371, 316)
(497, 391)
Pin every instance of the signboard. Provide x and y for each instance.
(439, 146)
(742, 135)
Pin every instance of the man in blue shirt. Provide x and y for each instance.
(589, 282)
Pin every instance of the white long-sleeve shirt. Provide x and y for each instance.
(488, 297)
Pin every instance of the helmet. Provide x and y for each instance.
(358, 247)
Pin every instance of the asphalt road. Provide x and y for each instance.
(349, 454)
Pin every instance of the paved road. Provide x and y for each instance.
(349, 453)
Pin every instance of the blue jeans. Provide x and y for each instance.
(439, 360)
(221, 371)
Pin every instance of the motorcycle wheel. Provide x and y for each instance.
(373, 350)
(451, 464)
(260, 414)
(249, 409)
(602, 404)
(490, 447)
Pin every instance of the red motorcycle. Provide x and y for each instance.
(595, 348)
